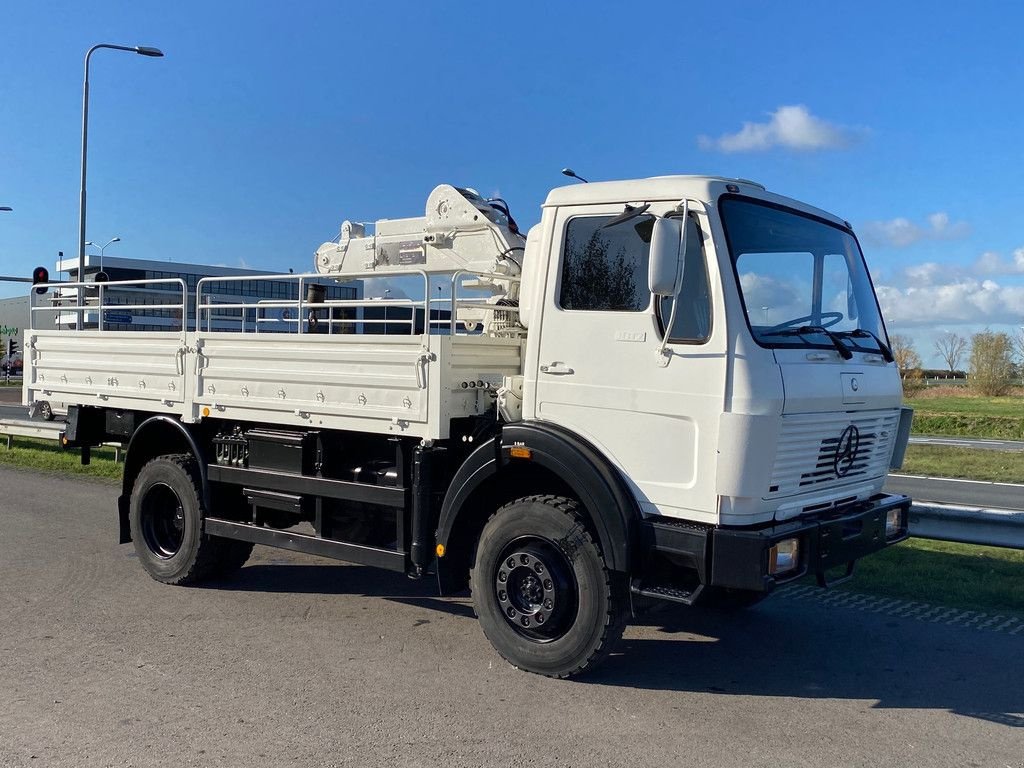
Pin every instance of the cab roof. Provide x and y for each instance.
(704, 188)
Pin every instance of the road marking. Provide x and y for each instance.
(905, 609)
(956, 480)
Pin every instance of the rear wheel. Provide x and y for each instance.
(166, 518)
(45, 411)
(542, 591)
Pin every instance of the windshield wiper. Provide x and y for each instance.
(803, 330)
(864, 333)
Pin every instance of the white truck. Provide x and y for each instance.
(674, 388)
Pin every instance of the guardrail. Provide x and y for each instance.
(942, 522)
(41, 430)
(968, 525)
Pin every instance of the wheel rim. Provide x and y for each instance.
(45, 411)
(535, 589)
(163, 521)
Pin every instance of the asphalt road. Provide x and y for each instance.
(307, 662)
(969, 493)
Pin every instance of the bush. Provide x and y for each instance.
(991, 364)
(913, 382)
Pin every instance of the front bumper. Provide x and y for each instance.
(739, 557)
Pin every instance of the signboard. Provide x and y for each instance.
(122, 318)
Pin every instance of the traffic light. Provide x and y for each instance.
(12, 349)
(40, 275)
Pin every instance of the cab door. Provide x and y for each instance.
(599, 372)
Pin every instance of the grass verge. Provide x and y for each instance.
(969, 416)
(986, 579)
(47, 455)
(964, 463)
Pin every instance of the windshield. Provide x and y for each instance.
(803, 281)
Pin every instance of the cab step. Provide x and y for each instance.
(673, 594)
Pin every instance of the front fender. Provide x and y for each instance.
(595, 482)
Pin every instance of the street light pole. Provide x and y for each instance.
(103, 247)
(142, 50)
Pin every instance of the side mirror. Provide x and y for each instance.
(663, 269)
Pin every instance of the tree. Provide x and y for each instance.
(1018, 346)
(593, 279)
(951, 347)
(904, 353)
(991, 363)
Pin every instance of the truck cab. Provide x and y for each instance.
(773, 396)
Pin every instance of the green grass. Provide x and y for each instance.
(47, 455)
(964, 463)
(986, 579)
(969, 416)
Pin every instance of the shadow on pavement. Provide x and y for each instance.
(785, 649)
(332, 579)
(780, 649)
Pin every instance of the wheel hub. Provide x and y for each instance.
(163, 521)
(533, 592)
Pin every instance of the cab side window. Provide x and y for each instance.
(605, 269)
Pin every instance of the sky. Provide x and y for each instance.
(266, 125)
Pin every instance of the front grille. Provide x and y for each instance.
(805, 458)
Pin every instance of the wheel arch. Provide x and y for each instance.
(156, 436)
(559, 462)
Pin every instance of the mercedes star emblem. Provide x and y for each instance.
(846, 450)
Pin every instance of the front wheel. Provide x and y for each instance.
(542, 591)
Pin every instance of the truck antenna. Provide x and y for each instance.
(572, 175)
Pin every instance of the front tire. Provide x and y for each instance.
(542, 591)
(166, 518)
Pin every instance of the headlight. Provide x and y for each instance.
(893, 522)
(784, 557)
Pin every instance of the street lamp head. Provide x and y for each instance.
(6, 208)
(145, 50)
(115, 240)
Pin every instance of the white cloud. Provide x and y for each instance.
(901, 232)
(963, 301)
(790, 127)
(991, 264)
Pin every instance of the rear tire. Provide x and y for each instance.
(166, 518)
(544, 596)
(45, 411)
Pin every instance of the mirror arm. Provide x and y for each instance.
(663, 355)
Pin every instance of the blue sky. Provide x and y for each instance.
(266, 125)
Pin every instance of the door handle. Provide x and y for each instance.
(557, 369)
